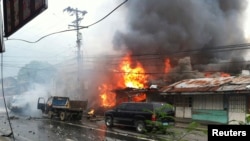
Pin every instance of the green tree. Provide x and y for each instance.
(169, 129)
(36, 72)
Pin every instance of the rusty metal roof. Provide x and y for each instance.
(203, 85)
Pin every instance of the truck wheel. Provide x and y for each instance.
(79, 116)
(63, 116)
(140, 126)
(50, 115)
(108, 121)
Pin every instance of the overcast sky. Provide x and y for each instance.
(96, 39)
(57, 48)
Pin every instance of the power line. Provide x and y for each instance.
(81, 27)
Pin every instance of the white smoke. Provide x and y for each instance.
(27, 101)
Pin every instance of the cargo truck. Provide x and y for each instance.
(62, 107)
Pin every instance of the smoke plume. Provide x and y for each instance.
(175, 29)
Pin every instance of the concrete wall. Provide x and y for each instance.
(183, 112)
(224, 108)
(219, 116)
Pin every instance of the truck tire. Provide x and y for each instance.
(63, 116)
(50, 114)
(79, 116)
(108, 121)
(140, 126)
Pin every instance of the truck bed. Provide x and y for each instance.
(78, 105)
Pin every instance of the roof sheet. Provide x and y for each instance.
(218, 84)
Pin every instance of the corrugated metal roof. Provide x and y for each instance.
(219, 84)
(241, 80)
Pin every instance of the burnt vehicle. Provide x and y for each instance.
(144, 116)
(18, 104)
(62, 107)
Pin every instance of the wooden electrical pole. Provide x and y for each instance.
(76, 24)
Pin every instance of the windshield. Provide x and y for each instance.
(59, 101)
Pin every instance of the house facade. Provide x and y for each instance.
(224, 100)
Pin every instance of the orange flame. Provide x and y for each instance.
(223, 74)
(107, 97)
(133, 77)
(139, 97)
(91, 112)
(217, 74)
(167, 65)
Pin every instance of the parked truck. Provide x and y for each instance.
(62, 107)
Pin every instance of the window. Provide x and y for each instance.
(237, 104)
(122, 106)
(183, 101)
(208, 102)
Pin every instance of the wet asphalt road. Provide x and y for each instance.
(35, 129)
(44, 129)
(40, 128)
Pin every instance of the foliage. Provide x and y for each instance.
(190, 129)
(247, 121)
(37, 72)
(169, 129)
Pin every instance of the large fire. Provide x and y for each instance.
(128, 76)
(134, 76)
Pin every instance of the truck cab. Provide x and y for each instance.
(53, 101)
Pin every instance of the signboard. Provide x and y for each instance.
(19, 12)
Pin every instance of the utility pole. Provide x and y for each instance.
(76, 24)
(2, 47)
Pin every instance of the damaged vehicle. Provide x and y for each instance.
(18, 104)
(62, 107)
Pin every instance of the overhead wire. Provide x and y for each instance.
(218, 48)
(148, 57)
(81, 27)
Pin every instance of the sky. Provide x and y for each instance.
(142, 27)
(57, 48)
(99, 38)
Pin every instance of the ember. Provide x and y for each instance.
(167, 65)
(217, 74)
(91, 114)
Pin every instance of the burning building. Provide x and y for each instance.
(167, 41)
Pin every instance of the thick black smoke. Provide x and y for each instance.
(159, 29)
